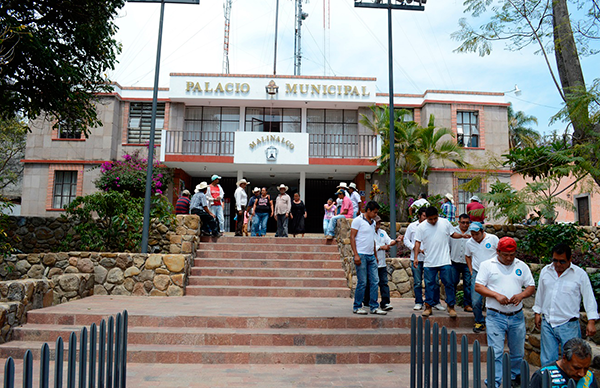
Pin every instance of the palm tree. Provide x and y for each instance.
(434, 145)
(519, 134)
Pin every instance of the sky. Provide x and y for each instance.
(352, 43)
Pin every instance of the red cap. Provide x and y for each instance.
(507, 244)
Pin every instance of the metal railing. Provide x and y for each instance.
(107, 359)
(429, 356)
(330, 145)
(214, 143)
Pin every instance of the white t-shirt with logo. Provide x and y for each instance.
(381, 239)
(506, 280)
(365, 238)
(480, 252)
(434, 242)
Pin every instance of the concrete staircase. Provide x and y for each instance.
(250, 301)
(268, 267)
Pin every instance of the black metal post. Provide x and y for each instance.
(477, 365)
(9, 373)
(45, 366)
(464, 362)
(275, 49)
(435, 341)
(392, 133)
(427, 362)
(92, 370)
(148, 197)
(58, 363)
(82, 357)
(444, 382)
(28, 370)
(413, 349)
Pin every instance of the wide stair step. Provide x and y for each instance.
(265, 263)
(269, 291)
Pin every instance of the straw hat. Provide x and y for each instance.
(242, 181)
(282, 186)
(352, 186)
(201, 186)
(255, 190)
(342, 185)
(449, 196)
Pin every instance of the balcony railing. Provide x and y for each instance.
(222, 144)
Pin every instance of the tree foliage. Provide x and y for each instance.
(53, 58)
(520, 135)
(13, 133)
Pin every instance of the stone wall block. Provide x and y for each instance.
(49, 259)
(100, 290)
(178, 279)
(124, 261)
(174, 263)
(128, 284)
(115, 276)
(400, 276)
(33, 258)
(174, 291)
(100, 274)
(139, 290)
(139, 259)
(146, 275)
(161, 282)
(132, 271)
(153, 261)
(69, 282)
(85, 266)
(36, 271)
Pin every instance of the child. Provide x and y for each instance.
(245, 227)
(383, 242)
(329, 212)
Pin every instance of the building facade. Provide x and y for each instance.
(302, 131)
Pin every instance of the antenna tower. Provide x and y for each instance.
(300, 17)
(227, 12)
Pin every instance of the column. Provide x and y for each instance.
(240, 175)
(302, 188)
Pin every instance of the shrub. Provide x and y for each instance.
(540, 239)
(5, 241)
(112, 221)
(129, 175)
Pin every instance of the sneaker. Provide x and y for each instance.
(427, 312)
(329, 237)
(516, 383)
(378, 311)
(479, 328)
(361, 311)
(387, 307)
(418, 306)
(451, 312)
(468, 309)
(439, 307)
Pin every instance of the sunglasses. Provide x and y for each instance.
(464, 222)
(561, 262)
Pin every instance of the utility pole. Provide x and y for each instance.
(392, 189)
(299, 17)
(227, 12)
(276, 30)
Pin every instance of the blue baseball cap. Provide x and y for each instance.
(475, 226)
(212, 178)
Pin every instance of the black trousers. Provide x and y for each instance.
(210, 225)
(239, 226)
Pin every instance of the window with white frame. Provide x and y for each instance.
(67, 130)
(467, 129)
(273, 119)
(65, 188)
(464, 196)
(210, 130)
(140, 119)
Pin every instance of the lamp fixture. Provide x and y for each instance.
(516, 91)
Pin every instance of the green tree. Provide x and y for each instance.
(520, 135)
(546, 24)
(13, 133)
(54, 56)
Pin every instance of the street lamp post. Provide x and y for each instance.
(404, 5)
(148, 193)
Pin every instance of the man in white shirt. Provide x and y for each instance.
(355, 198)
(417, 270)
(362, 240)
(241, 200)
(383, 242)
(431, 238)
(479, 248)
(418, 204)
(459, 263)
(505, 281)
(561, 287)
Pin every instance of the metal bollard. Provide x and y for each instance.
(413, 349)
(420, 352)
(82, 357)
(92, 369)
(491, 366)
(118, 338)
(444, 357)
(9, 373)
(506, 382)
(524, 374)
(477, 365)
(28, 370)
(435, 341)
(427, 361)
(45, 366)
(59, 356)
(464, 362)
(109, 351)
(453, 360)
(72, 361)
(102, 354)
(124, 352)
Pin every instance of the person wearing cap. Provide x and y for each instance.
(574, 364)
(448, 208)
(346, 211)
(417, 270)
(476, 210)
(481, 247)
(241, 200)
(253, 198)
(182, 206)
(383, 242)
(342, 186)
(362, 240)
(561, 287)
(459, 263)
(355, 198)
(199, 207)
(431, 238)
(283, 206)
(505, 281)
(215, 197)
(419, 203)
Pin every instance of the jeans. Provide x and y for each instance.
(218, 212)
(418, 285)
(282, 225)
(259, 224)
(384, 288)
(332, 223)
(355, 213)
(498, 326)
(325, 224)
(366, 270)
(477, 300)
(447, 276)
(555, 338)
(463, 269)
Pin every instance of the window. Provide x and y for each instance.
(464, 196)
(467, 129)
(273, 120)
(67, 130)
(140, 118)
(333, 132)
(65, 188)
(209, 130)
(408, 116)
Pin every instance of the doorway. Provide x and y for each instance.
(583, 211)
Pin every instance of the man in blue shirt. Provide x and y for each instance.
(448, 209)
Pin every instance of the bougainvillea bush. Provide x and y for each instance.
(129, 175)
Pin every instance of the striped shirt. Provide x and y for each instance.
(182, 206)
(448, 211)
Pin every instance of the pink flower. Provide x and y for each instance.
(159, 191)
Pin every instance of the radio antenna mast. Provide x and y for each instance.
(227, 12)
(300, 17)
